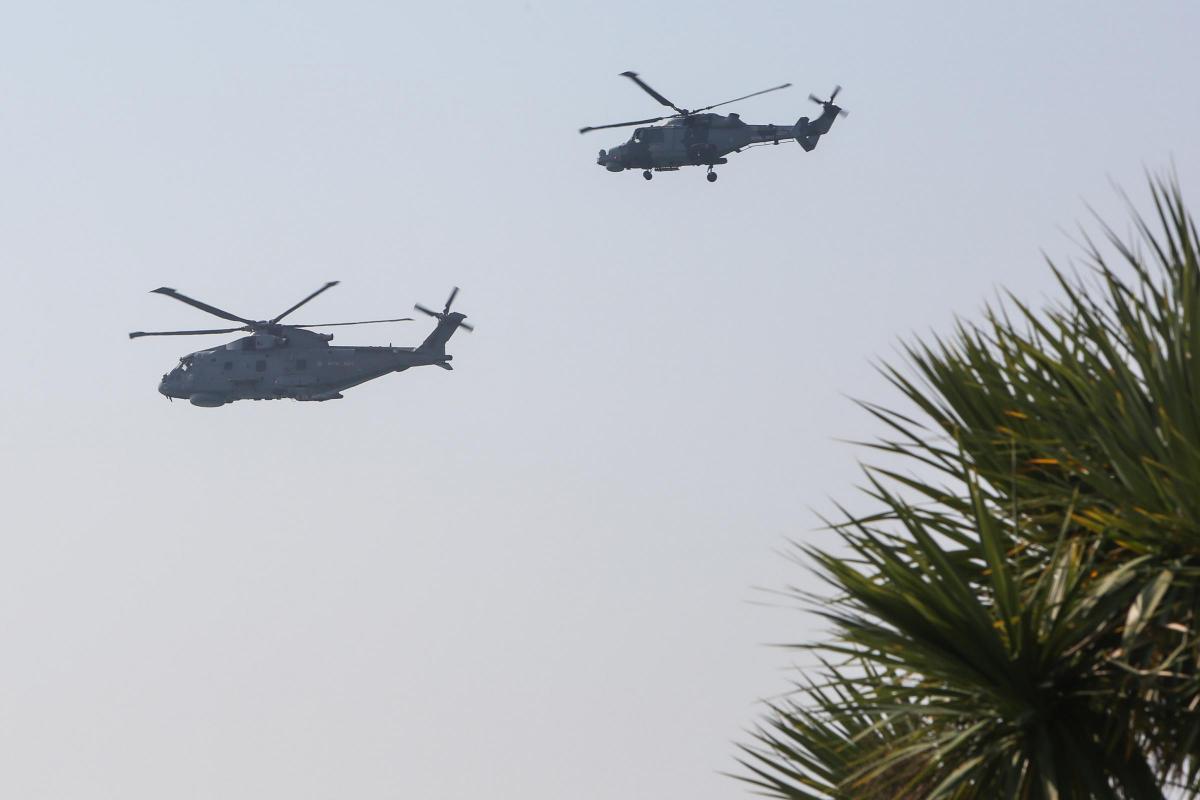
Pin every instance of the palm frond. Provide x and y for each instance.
(1018, 614)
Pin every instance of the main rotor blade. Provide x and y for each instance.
(633, 76)
(329, 285)
(139, 334)
(361, 322)
(744, 97)
(626, 124)
(202, 306)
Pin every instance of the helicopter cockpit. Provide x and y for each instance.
(181, 370)
(648, 135)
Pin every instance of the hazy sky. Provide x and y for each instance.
(534, 577)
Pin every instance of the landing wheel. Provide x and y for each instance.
(647, 174)
(711, 176)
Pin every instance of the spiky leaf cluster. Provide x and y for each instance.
(1021, 618)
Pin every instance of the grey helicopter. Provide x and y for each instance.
(694, 138)
(279, 360)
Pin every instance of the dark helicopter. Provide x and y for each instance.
(693, 138)
(281, 360)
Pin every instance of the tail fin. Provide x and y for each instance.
(435, 342)
(801, 132)
(808, 133)
(448, 322)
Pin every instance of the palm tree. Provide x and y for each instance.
(1023, 619)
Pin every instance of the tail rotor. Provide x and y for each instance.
(829, 104)
(444, 314)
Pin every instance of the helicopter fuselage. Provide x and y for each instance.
(300, 366)
(705, 139)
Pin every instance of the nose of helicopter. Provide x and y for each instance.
(611, 160)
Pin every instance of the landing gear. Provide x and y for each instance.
(647, 174)
(711, 176)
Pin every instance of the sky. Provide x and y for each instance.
(550, 573)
